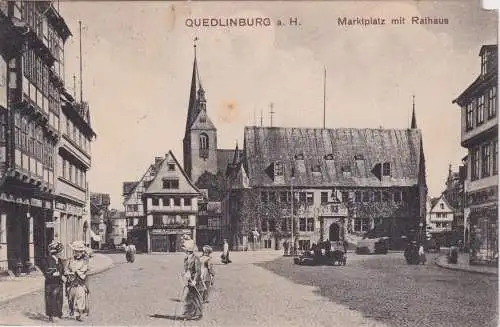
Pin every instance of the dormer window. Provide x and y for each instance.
(386, 169)
(278, 169)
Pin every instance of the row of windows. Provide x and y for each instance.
(73, 173)
(170, 183)
(279, 168)
(441, 215)
(35, 18)
(307, 198)
(159, 220)
(484, 160)
(30, 138)
(75, 133)
(476, 109)
(166, 201)
(443, 225)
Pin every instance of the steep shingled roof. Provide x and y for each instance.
(185, 184)
(224, 158)
(400, 147)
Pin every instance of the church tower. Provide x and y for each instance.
(200, 138)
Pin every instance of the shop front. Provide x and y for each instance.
(484, 235)
(167, 240)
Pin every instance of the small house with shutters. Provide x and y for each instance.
(170, 206)
(336, 182)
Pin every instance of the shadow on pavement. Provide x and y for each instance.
(170, 317)
(37, 316)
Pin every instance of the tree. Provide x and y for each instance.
(214, 183)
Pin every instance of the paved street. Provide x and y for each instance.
(259, 289)
(385, 288)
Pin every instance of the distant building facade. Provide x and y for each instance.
(479, 135)
(343, 181)
(440, 219)
(73, 161)
(31, 82)
(171, 207)
(133, 204)
(118, 231)
(100, 223)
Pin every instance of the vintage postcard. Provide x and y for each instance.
(239, 163)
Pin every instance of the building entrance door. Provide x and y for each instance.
(334, 234)
(172, 243)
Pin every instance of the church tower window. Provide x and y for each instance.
(204, 145)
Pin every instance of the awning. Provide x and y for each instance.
(94, 236)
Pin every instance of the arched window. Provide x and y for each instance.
(204, 141)
(204, 145)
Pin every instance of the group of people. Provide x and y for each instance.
(130, 251)
(70, 276)
(415, 253)
(198, 279)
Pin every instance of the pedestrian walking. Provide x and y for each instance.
(77, 288)
(53, 270)
(225, 253)
(130, 252)
(421, 254)
(207, 272)
(192, 278)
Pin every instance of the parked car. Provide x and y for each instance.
(372, 245)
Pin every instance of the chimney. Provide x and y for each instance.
(158, 160)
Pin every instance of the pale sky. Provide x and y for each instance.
(138, 61)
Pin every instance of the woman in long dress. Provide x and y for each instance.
(53, 272)
(207, 272)
(192, 278)
(225, 253)
(77, 288)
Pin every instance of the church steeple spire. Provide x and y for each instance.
(195, 81)
(413, 116)
(236, 156)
